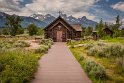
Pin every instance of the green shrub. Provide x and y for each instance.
(101, 53)
(17, 66)
(42, 49)
(104, 50)
(39, 50)
(81, 58)
(1, 67)
(6, 43)
(88, 46)
(122, 51)
(89, 65)
(120, 62)
(72, 46)
(46, 41)
(49, 45)
(21, 44)
(98, 72)
(95, 70)
(115, 50)
(93, 51)
(101, 44)
(12, 43)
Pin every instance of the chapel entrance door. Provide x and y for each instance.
(59, 36)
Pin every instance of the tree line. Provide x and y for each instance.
(13, 27)
(116, 28)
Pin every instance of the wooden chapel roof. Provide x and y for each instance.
(75, 27)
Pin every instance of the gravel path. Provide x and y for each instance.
(60, 66)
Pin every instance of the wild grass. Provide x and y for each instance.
(109, 55)
(17, 66)
(115, 40)
(95, 71)
(8, 44)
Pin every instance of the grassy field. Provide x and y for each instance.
(18, 65)
(116, 40)
(108, 55)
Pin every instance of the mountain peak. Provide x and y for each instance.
(2, 14)
(84, 18)
(48, 15)
(48, 18)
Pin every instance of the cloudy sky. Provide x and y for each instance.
(92, 9)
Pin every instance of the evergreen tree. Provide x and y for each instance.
(83, 32)
(99, 28)
(88, 31)
(116, 27)
(122, 32)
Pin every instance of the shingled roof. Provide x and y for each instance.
(77, 27)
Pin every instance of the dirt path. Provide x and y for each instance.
(59, 66)
(33, 44)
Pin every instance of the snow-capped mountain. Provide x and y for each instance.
(48, 18)
(43, 20)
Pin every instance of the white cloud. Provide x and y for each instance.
(74, 7)
(11, 5)
(119, 6)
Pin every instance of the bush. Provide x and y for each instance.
(89, 65)
(104, 50)
(93, 51)
(101, 53)
(88, 46)
(115, 50)
(81, 58)
(122, 51)
(21, 44)
(120, 62)
(17, 66)
(32, 29)
(72, 46)
(6, 43)
(42, 49)
(95, 70)
(98, 72)
(12, 43)
(46, 41)
(101, 44)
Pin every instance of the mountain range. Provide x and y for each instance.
(26, 21)
(48, 18)
(43, 20)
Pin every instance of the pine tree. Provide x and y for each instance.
(122, 32)
(116, 27)
(83, 31)
(99, 28)
(88, 31)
